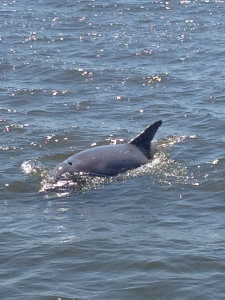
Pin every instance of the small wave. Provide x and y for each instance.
(146, 80)
(161, 169)
(69, 184)
(171, 140)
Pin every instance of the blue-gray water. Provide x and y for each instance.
(79, 73)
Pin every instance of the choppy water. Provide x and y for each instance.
(79, 73)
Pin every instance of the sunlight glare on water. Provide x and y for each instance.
(80, 74)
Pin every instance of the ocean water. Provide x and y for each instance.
(75, 74)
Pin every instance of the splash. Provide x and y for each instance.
(34, 167)
(28, 167)
(72, 183)
(162, 169)
(174, 139)
(172, 171)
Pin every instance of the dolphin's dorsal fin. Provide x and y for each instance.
(143, 140)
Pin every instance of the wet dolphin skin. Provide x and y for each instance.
(110, 160)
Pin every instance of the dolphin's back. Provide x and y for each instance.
(107, 160)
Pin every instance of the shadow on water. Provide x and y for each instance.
(162, 169)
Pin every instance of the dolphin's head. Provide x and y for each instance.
(63, 169)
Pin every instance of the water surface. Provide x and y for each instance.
(75, 74)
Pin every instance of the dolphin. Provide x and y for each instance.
(110, 160)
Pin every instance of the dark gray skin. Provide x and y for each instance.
(110, 160)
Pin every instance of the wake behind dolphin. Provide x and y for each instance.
(110, 160)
